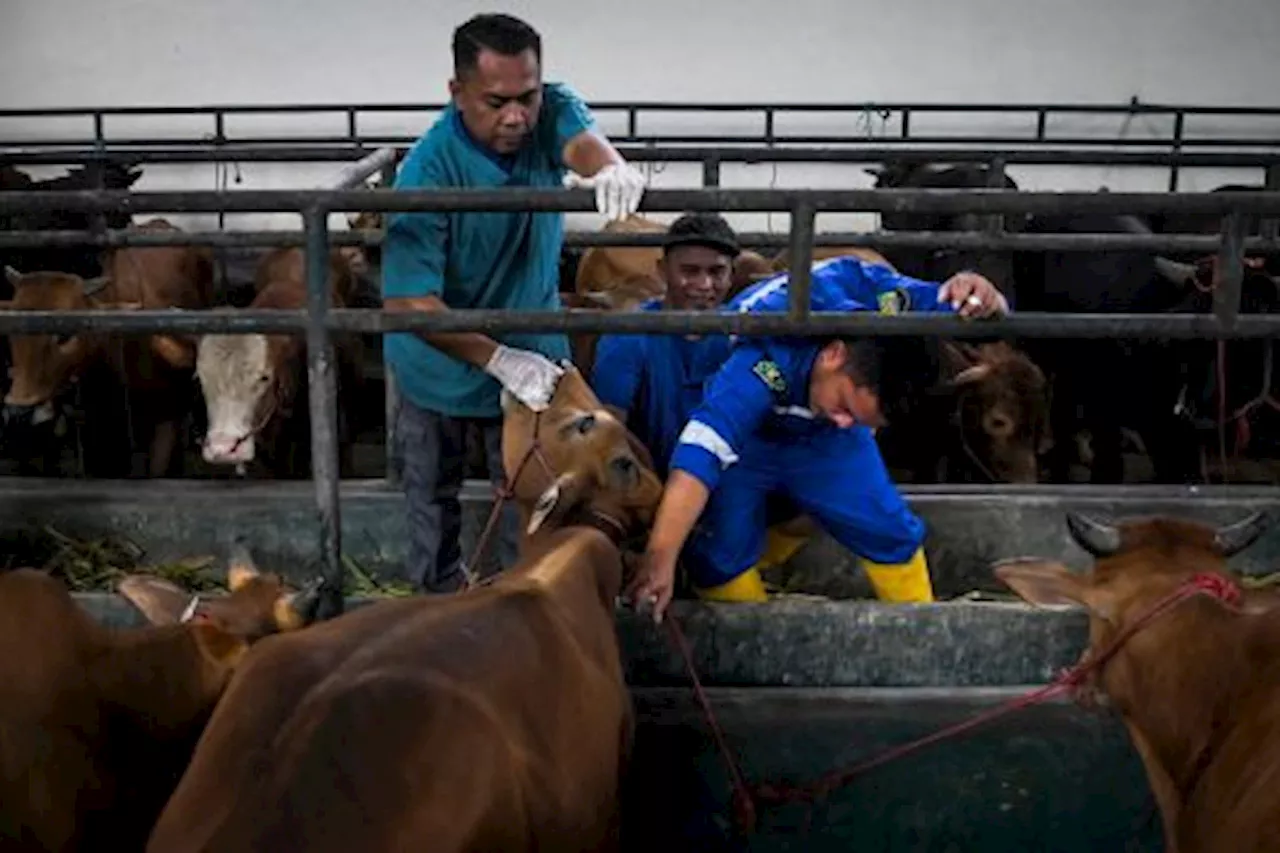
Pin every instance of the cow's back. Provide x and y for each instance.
(472, 722)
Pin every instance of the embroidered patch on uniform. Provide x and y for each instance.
(893, 301)
(771, 375)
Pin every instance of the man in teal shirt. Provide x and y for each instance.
(503, 127)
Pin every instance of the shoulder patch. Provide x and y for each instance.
(771, 375)
(894, 301)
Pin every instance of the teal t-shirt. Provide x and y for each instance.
(475, 259)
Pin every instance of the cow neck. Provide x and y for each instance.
(159, 674)
(1181, 704)
(549, 545)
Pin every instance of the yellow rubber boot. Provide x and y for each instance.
(748, 586)
(901, 583)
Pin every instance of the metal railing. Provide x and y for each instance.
(318, 321)
(711, 158)
(860, 116)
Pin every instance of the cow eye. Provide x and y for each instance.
(586, 423)
(625, 467)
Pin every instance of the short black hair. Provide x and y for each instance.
(893, 367)
(504, 34)
(702, 229)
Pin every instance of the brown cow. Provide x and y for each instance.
(97, 723)
(620, 277)
(155, 370)
(254, 386)
(991, 401)
(1198, 686)
(495, 719)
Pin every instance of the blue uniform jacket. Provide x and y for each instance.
(762, 390)
(657, 380)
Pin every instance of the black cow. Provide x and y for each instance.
(941, 264)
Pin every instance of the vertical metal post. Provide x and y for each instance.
(1230, 284)
(1179, 124)
(801, 259)
(391, 400)
(711, 172)
(323, 394)
(1042, 119)
(1269, 228)
(906, 124)
(994, 223)
(768, 125)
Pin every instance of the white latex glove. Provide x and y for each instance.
(618, 186)
(531, 377)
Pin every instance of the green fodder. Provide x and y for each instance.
(97, 564)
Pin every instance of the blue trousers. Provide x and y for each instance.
(835, 476)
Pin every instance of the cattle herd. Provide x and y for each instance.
(1020, 411)
(499, 718)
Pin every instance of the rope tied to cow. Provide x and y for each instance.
(747, 797)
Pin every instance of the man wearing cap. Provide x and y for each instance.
(796, 416)
(504, 127)
(654, 382)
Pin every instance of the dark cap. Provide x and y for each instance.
(702, 229)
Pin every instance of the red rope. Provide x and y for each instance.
(745, 796)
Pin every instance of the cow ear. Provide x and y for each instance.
(1044, 583)
(557, 500)
(161, 602)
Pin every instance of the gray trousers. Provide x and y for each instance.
(432, 455)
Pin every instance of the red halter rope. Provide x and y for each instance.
(747, 796)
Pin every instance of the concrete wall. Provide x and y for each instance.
(149, 52)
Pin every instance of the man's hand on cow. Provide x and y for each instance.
(973, 295)
(653, 584)
(530, 376)
(619, 187)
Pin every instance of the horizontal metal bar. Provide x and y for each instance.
(361, 170)
(818, 324)
(892, 142)
(26, 154)
(668, 106)
(587, 239)
(579, 200)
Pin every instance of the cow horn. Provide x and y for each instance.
(1234, 538)
(975, 373)
(1175, 272)
(96, 285)
(1100, 540)
(306, 601)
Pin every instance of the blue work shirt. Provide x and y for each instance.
(477, 259)
(657, 380)
(762, 389)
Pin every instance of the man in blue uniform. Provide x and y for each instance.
(503, 127)
(797, 416)
(654, 382)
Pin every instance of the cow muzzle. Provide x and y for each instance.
(222, 448)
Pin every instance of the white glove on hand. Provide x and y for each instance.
(618, 189)
(531, 377)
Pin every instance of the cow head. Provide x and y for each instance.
(257, 604)
(1002, 408)
(244, 382)
(1136, 563)
(44, 365)
(587, 463)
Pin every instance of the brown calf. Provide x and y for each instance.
(154, 370)
(96, 723)
(1198, 686)
(495, 719)
(254, 385)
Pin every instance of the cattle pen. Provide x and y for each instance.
(860, 677)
